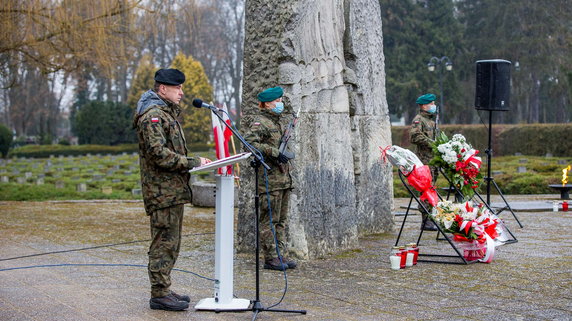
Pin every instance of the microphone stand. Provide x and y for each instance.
(257, 306)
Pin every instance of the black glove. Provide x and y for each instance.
(283, 159)
(190, 161)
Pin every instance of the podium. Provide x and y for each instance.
(224, 240)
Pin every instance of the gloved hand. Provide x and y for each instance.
(283, 159)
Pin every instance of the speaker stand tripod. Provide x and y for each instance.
(490, 179)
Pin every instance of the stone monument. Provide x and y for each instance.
(328, 57)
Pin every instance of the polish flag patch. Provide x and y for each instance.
(155, 120)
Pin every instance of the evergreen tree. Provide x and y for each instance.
(535, 36)
(143, 80)
(104, 123)
(5, 140)
(415, 31)
(196, 122)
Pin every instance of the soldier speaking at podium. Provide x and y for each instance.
(165, 181)
(265, 134)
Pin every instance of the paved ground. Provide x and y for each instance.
(528, 280)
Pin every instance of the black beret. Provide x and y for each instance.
(173, 77)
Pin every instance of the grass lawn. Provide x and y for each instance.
(117, 176)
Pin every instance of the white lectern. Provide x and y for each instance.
(224, 240)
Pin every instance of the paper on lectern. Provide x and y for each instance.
(221, 162)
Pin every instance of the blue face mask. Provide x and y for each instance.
(432, 109)
(279, 108)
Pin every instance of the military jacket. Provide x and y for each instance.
(264, 133)
(422, 134)
(162, 154)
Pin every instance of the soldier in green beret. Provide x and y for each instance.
(422, 135)
(164, 180)
(265, 132)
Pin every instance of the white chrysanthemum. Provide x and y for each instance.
(459, 138)
(443, 148)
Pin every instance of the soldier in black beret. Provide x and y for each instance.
(165, 181)
(173, 77)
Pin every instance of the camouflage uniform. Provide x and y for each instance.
(422, 135)
(164, 180)
(264, 134)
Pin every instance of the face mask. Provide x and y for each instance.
(432, 109)
(278, 108)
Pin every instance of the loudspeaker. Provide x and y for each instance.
(493, 85)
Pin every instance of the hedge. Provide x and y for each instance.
(44, 151)
(533, 139)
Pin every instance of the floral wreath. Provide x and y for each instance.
(459, 162)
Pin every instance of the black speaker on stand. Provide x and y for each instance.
(493, 94)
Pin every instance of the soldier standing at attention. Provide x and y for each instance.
(422, 135)
(264, 134)
(165, 181)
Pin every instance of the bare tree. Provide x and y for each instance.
(220, 49)
(60, 35)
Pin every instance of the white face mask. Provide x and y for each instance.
(278, 108)
(432, 109)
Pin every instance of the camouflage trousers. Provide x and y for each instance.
(279, 201)
(166, 226)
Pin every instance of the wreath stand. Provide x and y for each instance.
(444, 258)
(452, 187)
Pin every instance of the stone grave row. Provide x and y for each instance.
(40, 178)
(81, 187)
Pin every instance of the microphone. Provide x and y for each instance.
(200, 104)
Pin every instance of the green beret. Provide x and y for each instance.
(271, 94)
(425, 99)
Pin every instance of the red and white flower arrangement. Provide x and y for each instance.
(459, 161)
(474, 228)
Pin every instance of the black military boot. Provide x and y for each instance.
(291, 263)
(275, 264)
(168, 303)
(179, 297)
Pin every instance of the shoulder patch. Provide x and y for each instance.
(416, 122)
(256, 124)
(154, 119)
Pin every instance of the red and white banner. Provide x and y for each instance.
(221, 138)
